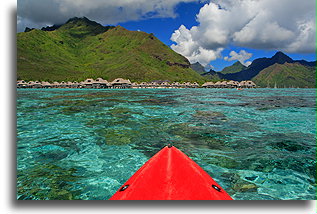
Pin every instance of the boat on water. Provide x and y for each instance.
(171, 175)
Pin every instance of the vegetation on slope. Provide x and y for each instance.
(82, 49)
(287, 75)
(236, 67)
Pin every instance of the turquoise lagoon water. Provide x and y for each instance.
(258, 144)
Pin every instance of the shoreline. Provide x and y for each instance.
(121, 83)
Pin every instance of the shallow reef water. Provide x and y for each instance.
(258, 144)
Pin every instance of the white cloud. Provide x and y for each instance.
(286, 25)
(107, 12)
(242, 56)
(189, 48)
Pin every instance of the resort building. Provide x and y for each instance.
(165, 84)
(135, 85)
(232, 84)
(55, 85)
(87, 83)
(121, 83)
(46, 84)
(143, 85)
(247, 84)
(35, 84)
(100, 83)
(208, 85)
(22, 84)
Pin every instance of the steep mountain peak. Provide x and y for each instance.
(234, 68)
(281, 58)
(237, 63)
(198, 68)
(82, 20)
(81, 27)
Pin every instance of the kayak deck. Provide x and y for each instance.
(170, 175)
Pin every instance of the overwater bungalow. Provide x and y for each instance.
(175, 85)
(250, 84)
(218, 84)
(224, 84)
(100, 83)
(195, 85)
(152, 85)
(55, 85)
(34, 84)
(232, 84)
(165, 84)
(46, 84)
(22, 84)
(69, 84)
(87, 83)
(208, 85)
(135, 85)
(121, 83)
(247, 84)
(75, 84)
(63, 84)
(143, 85)
(186, 85)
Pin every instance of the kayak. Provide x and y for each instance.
(170, 175)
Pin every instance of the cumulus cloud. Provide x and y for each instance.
(188, 47)
(107, 12)
(287, 25)
(242, 56)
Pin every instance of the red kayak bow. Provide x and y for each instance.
(170, 175)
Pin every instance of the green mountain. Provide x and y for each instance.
(236, 67)
(198, 68)
(81, 49)
(287, 75)
(262, 63)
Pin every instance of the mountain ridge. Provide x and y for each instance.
(287, 75)
(234, 68)
(82, 48)
(261, 63)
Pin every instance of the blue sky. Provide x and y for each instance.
(215, 33)
(186, 15)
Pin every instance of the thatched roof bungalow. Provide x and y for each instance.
(34, 84)
(121, 83)
(232, 84)
(46, 84)
(87, 83)
(247, 84)
(135, 85)
(175, 84)
(152, 84)
(63, 84)
(250, 84)
(69, 84)
(76, 84)
(218, 84)
(22, 84)
(186, 85)
(143, 85)
(195, 85)
(208, 85)
(55, 85)
(165, 84)
(224, 84)
(100, 83)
